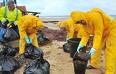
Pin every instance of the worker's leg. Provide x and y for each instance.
(34, 39)
(110, 61)
(22, 44)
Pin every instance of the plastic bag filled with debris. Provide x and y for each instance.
(8, 65)
(80, 61)
(8, 50)
(40, 66)
(42, 39)
(10, 35)
(73, 42)
(33, 52)
(66, 47)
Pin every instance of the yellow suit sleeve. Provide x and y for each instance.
(2, 13)
(21, 29)
(98, 31)
(85, 37)
(80, 31)
(71, 29)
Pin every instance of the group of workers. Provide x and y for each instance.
(103, 27)
(27, 25)
(81, 24)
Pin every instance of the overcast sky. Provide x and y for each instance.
(64, 7)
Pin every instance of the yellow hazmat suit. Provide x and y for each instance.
(69, 26)
(28, 24)
(97, 24)
(111, 50)
(72, 29)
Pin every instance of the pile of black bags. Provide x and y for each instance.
(8, 50)
(8, 63)
(37, 65)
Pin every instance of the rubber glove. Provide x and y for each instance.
(14, 23)
(92, 51)
(4, 22)
(9, 25)
(67, 40)
(28, 40)
(80, 46)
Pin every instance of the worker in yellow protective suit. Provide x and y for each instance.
(28, 26)
(10, 14)
(68, 25)
(71, 28)
(94, 22)
(110, 62)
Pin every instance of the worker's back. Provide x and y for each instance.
(106, 18)
(29, 22)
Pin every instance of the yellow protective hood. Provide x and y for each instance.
(78, 15)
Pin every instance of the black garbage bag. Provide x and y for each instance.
(21, 59)
(1, 49)
(42, 39)
(15, 27)
(73, 42)
(10, 34)
(66, 47)
(8, 50)
(40, 66)
(33, 52)
(8, 65)
(80, 61)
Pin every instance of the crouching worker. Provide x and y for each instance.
(67, 25)
(28, 26)
(10, 15)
